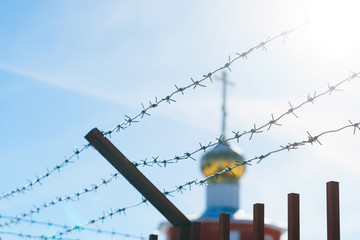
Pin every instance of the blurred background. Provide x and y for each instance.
(69, 66)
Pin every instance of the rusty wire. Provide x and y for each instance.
(129, 120)
(311, 139)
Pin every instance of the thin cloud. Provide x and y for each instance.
(72, 86)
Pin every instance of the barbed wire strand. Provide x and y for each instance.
(74, 196)
(290, 146)
(129, 120)
(169, 98)
(51, 224)
(255, 130)
(38, 179)
(181, 188)
(106, 215)
(29, 236)
(187, 155)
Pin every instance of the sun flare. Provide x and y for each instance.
(334, 25)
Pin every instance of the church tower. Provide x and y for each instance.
(222, 193)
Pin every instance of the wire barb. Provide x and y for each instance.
(237, 134)
(144, 111)
(59, 199)
(273, 122)
(202, 182)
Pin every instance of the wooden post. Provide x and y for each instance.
(293, 216)
(258, 222)
(224, 226)
(153, 237)
(181, 233)
(333, 211)
(195, 231)
(136, 178)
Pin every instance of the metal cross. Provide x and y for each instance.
(224, 113)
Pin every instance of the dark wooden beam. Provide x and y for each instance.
(258, 222)
(293, 216)
(224, 226)
(136, 178)
(195, 231)
(333, 211)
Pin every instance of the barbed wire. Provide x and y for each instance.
(168, 99)
(290, 146)
(181, 188)
(113, 233)
(255, 130)
(29, 236)
(38, 179)
(74, 196)
(106, 215)
(187, 155)
(237, 135)
(51, 224)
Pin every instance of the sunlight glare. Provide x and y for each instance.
(334, 25)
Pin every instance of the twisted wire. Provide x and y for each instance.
(290, 146)
(168, 99)
(50, 224)
(255, 130)
(106, 215)
(155, 160)
(29, 236)
(38, 179)
(74, 196)
(237, 135)
(113, 233)
(181, 188)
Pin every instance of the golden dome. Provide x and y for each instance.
(218, 159)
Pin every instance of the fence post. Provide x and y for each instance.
(258, 222)
(293, 216)
(181, 233)
(153, 237)
(333, 218)
(224, 226)
(195, 231)
(136, 178)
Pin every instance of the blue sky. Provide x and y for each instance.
(67, 67)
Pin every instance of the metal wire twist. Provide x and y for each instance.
(30, 236)
(51, 224)
(255, 130)
(181, 188)
(106, 215)
(195, 83)
(187, 155)
(38, 179)
(168, 99)
(74, 196)
(290, 146)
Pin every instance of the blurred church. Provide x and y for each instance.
(223, 193)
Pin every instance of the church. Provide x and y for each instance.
(223, 194)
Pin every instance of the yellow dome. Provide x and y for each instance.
(220, 158)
